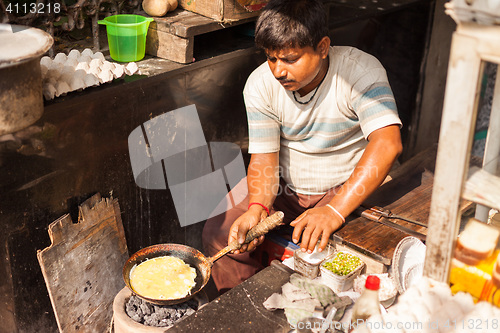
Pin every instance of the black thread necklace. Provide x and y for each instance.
(314, 94)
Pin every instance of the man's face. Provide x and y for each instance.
(294, 67)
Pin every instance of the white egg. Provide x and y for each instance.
(83, 66)
(87, 52)
(98, 55)
(61, 88)
(46, 61)
(71, 62)
(60, 57)
(131, 68)
(105, 76)
(95, 63)
(67, 73)
(85, 58)
(80, 73)
(53, 73)
(74, 54)
(77, 83)
(107, 66)
(91, 80)
(49, 91)
(118, 71)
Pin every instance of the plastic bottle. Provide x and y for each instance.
(367, 304)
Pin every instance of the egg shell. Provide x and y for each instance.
(106, 66)
(85, 58)
(98, 55)
(95, 63)
(74, 54)
(77, 83)
(83, 66)
(87, 52)
(131, 68)
(61, 88)
(60, 57)
(94, 71)
(67, 73)
(118, 71)
(91, 80)
(71, 62)
(105, 76)
(49, 91)
(80, 73)
(53, 73)
(46, 61)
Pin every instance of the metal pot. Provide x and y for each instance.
(21, 99)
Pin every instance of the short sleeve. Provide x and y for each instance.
(372, 99)
(263, 123)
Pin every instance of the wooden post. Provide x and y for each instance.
(455, 140)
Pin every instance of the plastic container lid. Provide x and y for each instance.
(372, 282)
(20, 43)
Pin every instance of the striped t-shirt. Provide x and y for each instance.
(320, 142)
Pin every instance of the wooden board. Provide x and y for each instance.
(172, 36)
(167, 46)
(408, 194)
(186, 24)
(83, 266)
(219, 10)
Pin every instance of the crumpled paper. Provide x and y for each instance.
(303, 298)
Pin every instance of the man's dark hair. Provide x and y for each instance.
(291, 23)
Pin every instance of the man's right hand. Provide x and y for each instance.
(240, 228)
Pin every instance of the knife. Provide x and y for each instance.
(376, 216)
(389, 215)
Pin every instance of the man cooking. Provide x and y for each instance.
(323, 134)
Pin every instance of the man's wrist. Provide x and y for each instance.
(257, 206)
(336, 212)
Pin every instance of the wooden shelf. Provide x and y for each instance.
(172, 37)
(483, 188)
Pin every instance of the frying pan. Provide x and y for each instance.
(194, 258)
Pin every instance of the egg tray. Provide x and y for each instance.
(77, 71)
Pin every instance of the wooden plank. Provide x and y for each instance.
(219, 10)
(370, 238)
(455, 140)
(483, 187)
(167, 46)
(184, 23)
(83, 266)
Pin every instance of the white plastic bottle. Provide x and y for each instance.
(366, 305)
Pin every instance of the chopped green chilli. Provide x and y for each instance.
(343, 263)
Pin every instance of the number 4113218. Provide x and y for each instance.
(33, 8)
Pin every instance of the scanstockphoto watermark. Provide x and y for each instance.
(470, 324)
(316, 325)
(170, 152)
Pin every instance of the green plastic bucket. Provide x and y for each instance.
(126, 36)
